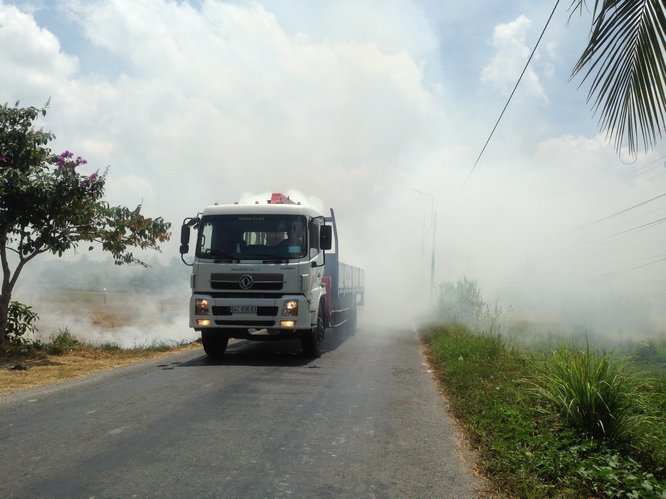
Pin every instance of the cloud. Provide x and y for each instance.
(31, 57)
(208, 102)
(511, 54)
(128, 189)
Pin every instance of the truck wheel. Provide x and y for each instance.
(311, 339)
(214, 342)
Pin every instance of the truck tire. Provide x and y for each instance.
(214, 342)
(311, 339)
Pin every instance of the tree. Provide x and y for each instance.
(48, 205)
(625, 59)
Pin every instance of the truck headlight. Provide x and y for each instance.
(201, 306)
(290, 307)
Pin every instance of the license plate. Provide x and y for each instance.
(243, 309)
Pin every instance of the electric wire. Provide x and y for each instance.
(633, 230)
(638, 172)
(492, 132)
(645, 265)
(615, 214)
(636, 260)
(634, 173)
(641, 217)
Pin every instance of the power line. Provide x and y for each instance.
(510, 96)
(641, 259)
(634, 173)
(646, 265)
(661, 259)
(638, 172)
(612, 237)
(615, 214)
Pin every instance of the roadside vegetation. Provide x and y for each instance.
(569, 421)
(63, 357)
(32, 358)
(49, 205)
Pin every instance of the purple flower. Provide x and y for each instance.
(80, 161)
(94, 176)
(65, 155)
(3, 159)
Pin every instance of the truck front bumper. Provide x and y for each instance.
(288, 312)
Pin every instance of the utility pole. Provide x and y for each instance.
(432, 259)
(433, 221)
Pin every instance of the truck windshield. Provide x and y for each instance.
(252, 237)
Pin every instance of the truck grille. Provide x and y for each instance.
(259, 281)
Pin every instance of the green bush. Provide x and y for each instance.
(63, 342)
(20, 322)
(651, 351)
(461, 302)
(594, 393)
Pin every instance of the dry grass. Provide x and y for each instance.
(21, 371)
(83, 312)
(110, 317)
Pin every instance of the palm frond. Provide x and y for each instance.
(625, 62)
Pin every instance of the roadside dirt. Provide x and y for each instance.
(81, 312)
(20, 371)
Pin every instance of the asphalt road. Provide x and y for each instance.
(364, 420)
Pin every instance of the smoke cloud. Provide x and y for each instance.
(378, 110)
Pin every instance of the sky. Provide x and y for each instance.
(377, 109)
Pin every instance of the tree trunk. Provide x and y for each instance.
(8, 281)
(5, 300)
(5, 294)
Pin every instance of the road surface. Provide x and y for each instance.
(364, 420)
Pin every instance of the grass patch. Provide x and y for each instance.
(65, 357)
(595, 394)
(529, 446)
(652, 351)
(62, 342)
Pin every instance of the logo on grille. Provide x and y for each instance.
(245, 281)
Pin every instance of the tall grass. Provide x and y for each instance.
(62, 342)
(528, 447)
(594, 393)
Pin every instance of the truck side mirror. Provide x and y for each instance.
(326, 237)
(184, 239)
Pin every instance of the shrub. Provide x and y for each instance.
(461, 302)
(63, 342)
(593, 393)
(652, 351)
(20, 321)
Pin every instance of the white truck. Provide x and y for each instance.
(265, 272)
